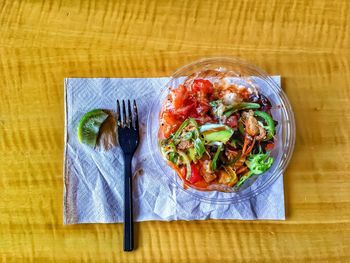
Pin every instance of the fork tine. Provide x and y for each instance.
(130, 115)
(136, 116)
(119, 114)
(125, 118)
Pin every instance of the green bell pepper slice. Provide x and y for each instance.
(240, 106)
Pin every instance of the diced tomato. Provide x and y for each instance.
(165, 130)
(170, 118)
(203, 107)
(195, 176)
(269, 146)
(169, 122)
(194, 114)
(185, 111)
(202, 85)
(203, 119)
(244, 93)
(182, 171)
(232, 121)
(179, 96)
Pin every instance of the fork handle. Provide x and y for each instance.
(128, 207)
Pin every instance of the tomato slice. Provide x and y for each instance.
(179, 96)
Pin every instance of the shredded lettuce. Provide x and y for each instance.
(180, 129)
(218, 107)
(191, 152)
(188, 136)
(174, 158)
(199, 147)
(215, 158)
(257, 164)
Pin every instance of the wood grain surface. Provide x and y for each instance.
(42, 42)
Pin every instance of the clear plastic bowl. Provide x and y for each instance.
(238, 72)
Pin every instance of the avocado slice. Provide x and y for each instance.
(216, 132)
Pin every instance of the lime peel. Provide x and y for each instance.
(89, 126)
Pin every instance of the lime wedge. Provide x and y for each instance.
(89, 126)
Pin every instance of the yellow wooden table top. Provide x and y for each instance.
(42, 42)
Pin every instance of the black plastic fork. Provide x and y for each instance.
(128, 137)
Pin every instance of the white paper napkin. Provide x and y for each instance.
(93, 180)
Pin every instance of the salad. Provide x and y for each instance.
(216, 135)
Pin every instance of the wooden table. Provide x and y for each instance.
(42, 42)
